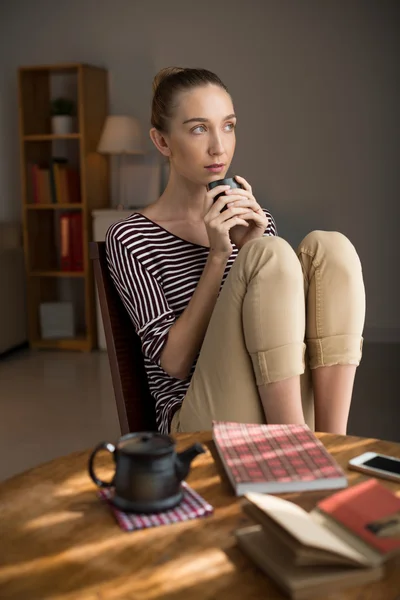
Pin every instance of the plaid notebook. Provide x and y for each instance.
(275, 459)
(192, 506)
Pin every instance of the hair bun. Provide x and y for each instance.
(163, 74)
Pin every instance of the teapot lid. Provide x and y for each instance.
(146, 443)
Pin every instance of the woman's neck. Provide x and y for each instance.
(182, 199)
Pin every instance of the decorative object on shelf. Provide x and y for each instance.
(121, 136)
(57, 320)
(62, 116)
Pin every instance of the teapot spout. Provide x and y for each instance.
(184, 460)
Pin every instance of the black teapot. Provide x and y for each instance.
(148, 472)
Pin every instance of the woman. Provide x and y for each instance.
(236, 352)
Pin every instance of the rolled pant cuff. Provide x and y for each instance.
(279, 363)
(335, 350)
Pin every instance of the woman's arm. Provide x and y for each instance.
(169, 342)
(186, 335)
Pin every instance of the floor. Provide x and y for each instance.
(53, 403)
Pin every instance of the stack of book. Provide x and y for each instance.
(344, 541)
(57, 183)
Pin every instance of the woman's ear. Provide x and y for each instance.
(160, 142)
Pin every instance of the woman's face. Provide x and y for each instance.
(202, 133)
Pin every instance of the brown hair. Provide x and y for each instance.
(171, 80)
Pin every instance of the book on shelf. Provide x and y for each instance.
(57, 183)
(344, 541)
(76, 241)
(40, 184)
(73, 185)
(275, 458)
(66, 182)
(71, 242)
(58, 167)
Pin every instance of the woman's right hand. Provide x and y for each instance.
(218, 224)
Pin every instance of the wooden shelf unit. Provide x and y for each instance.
(40, 229)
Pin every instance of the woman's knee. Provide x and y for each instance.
(276, 250)
(333, 246)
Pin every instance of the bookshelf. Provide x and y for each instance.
(48, 277)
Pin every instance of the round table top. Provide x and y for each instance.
(60, 541)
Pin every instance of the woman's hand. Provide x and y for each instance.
(219, 224)
(255, 217)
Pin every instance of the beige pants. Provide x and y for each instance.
(279, 314)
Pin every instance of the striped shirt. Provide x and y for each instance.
(156, 273)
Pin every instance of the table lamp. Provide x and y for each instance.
(121, 135)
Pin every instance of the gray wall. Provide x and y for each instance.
(315, 86)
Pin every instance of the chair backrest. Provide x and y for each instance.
(135, 405)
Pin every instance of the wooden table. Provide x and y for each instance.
(59, 541)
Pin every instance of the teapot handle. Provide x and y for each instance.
(97, 481)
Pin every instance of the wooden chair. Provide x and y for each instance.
(135, 405)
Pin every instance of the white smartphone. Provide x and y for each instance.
(378, 465)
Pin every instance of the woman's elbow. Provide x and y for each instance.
(182, 374)
(174, 368)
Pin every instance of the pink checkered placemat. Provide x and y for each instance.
(192, 506)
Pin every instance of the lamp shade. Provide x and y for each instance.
(121, 135)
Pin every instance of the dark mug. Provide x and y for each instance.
(148, 471)
(227, 181)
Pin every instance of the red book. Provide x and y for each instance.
(76, 242)
(369, 510)
(73, 185)
(275, 458)
(35, 183)
(65, 242)
(344, 541)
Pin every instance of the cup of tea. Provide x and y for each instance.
(227, 181)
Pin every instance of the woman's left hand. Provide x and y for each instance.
(256, 217)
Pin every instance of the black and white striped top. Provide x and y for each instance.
(156, 274)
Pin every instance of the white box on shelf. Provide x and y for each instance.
(57, 320)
